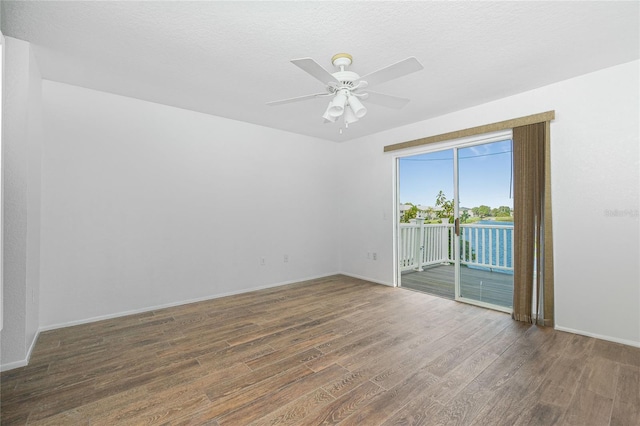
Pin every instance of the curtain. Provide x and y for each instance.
(533, 251)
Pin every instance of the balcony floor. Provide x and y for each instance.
(438, 280)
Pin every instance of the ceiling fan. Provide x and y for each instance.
(347, 89)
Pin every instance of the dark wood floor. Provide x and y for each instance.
(335, 350)
(475, 284)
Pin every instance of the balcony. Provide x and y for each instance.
(486, 261)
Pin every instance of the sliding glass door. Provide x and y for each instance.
(455, 236)
(486, 224)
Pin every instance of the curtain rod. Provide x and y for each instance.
(478, 130)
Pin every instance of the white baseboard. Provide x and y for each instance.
(21, 363)
(11, 365)
(360, 277)
(172, 304)
(598, 336)
(32, 345)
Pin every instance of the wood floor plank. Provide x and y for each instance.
(331, 350)
(561, 382)
(292, 413)
(608, 350)
(232, 355)
(231, 402)
(157, 408)
(462, 375)
(66, 418)
(278, 397)
(419, 411)
(626, 406)
(59, 401)
(349, 336)
(579, 347)
(331, 329)
(349, 403)
(540, 413)
(347, 351)
(448, 342)
(533, 380)
(385, 404)
(101, 407)
(630, 356)
(221, 390)
(465, 347)
(589, 408)
(278, 339)
(600, 376)
(494, 381)
(200, 377)
(372, 352)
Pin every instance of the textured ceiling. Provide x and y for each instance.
(230, 58)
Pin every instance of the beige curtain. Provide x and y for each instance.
(533, 251)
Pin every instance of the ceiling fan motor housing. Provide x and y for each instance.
(346, 78)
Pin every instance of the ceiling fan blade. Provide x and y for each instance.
(296, 99)
(315, 69)
(399, 69)
(386, 100)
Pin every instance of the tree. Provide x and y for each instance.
(482, 211)
(430, 213)
(446, 206)
(409, 214)
(503, 211)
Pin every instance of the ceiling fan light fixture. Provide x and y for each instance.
(356, 106)
(336, 107)
(327, 116)
(349, 116)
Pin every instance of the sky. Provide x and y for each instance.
(485, 176)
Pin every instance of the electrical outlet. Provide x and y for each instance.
(375, 256)
(286, 258)
(263, 261)
(368, 255)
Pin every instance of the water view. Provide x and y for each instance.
(491, 246)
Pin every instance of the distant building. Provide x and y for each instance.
(404, 208)
(428, 212)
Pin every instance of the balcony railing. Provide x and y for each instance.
(481, 246)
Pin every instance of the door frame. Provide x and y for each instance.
(453, 144)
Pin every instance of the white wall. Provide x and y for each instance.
(595, 170)
(2, 49)
(146, 205)
(22, 148)
(35, 139)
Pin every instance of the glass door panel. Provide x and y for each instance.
(486, 224)
(425, 233)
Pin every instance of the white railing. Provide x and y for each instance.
(430, 247)
(485, 246)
